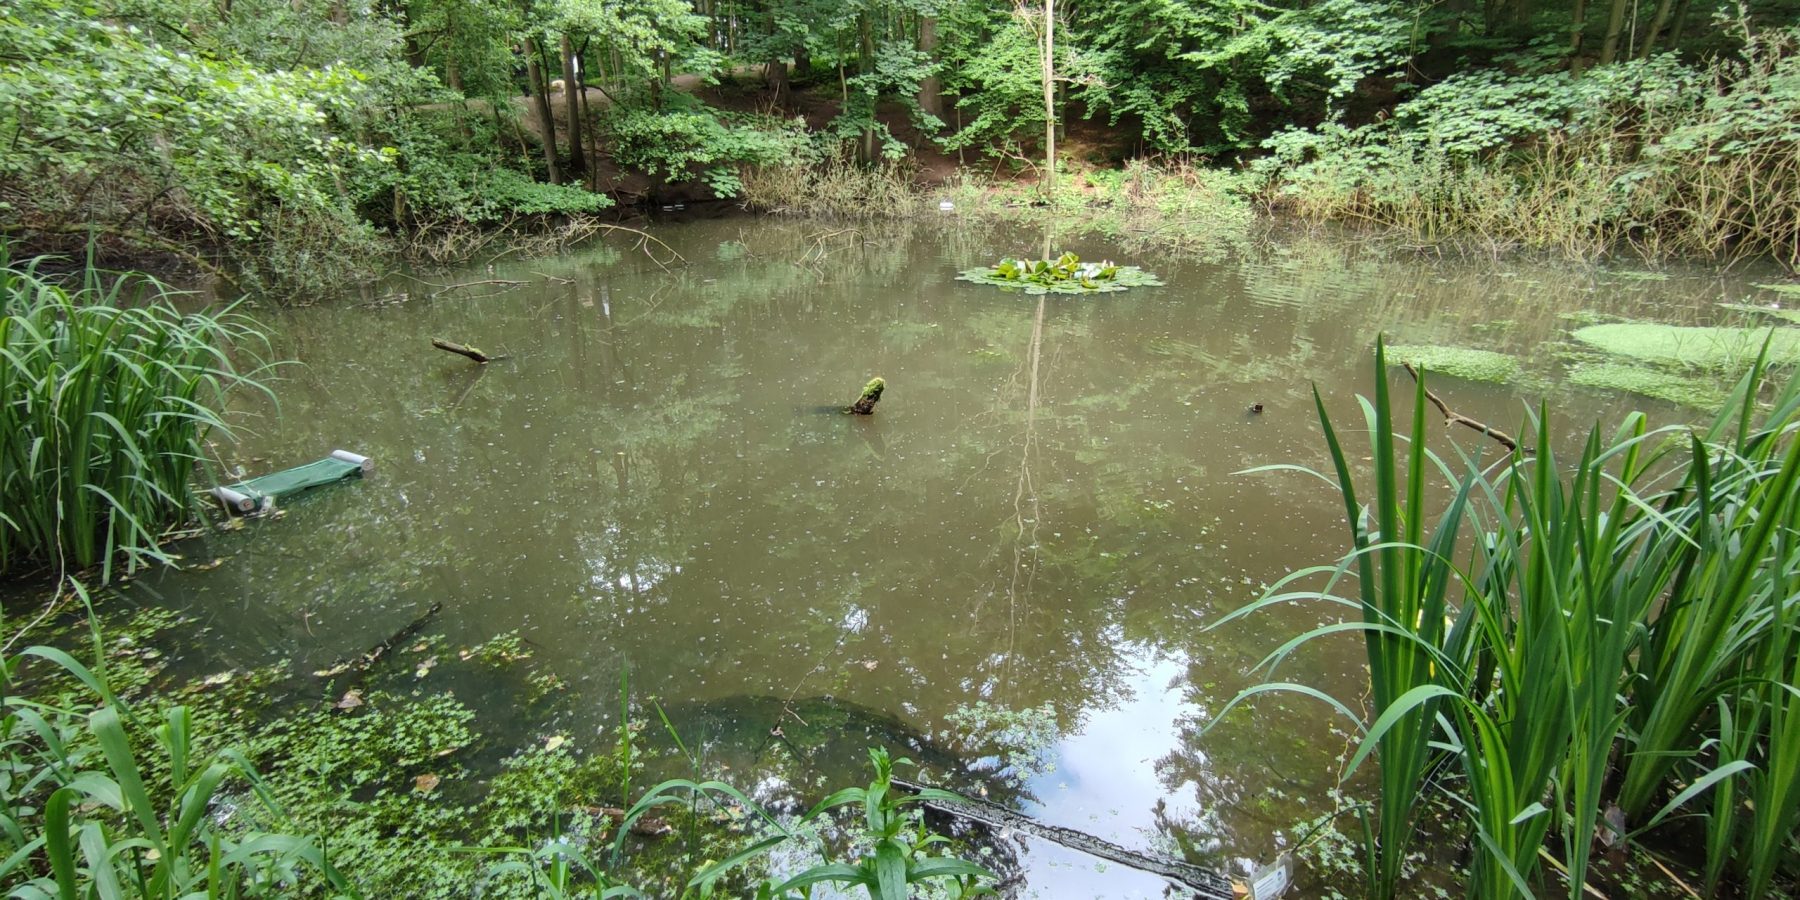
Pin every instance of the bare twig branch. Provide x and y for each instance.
(1459, 419)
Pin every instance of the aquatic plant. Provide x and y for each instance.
(109, 392)
(1066, 274)
(91, 809)
(1620, 637)
(1694, 346)
(1457, 362)
(1650, 381)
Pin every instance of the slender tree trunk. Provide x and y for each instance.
(572, 91)
(593, 156)
(931, 88)
(866, 64)
(1656, 25)
(534, 73)
(1615, 26)
(1681, 13)
(802, 64)
(1577, 31)
(1049, 98)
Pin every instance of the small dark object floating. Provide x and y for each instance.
(1256, 409)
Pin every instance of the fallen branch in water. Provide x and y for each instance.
(463, 350)
(374, 654)
(469, 284)
(1459, 419)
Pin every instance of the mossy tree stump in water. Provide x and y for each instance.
(871, 394)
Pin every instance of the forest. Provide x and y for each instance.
(1108, 583)
(300, 143)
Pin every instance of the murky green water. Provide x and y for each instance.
(1042, 513)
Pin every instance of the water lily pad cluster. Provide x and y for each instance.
(1066, 274)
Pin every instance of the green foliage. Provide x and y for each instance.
(1663, 156)
(107, 125)
(1457, 362)
(673, 143)
(98, 802)
(898, 855)
(109, 392)
(1620, 635)
(1066, 274)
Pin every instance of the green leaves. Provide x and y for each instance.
(145, 826)
(1066, 274)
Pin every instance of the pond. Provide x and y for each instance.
(1015, 561)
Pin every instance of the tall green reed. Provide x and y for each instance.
(107, 393)
(1621, 633)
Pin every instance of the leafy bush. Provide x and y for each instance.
(672, 143)
(107, 125)
(1657, 155)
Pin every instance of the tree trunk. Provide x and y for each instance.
(534, 73)
(1577, 31)
(802, 64)
(865, 65)
(1681, 13)
(593, 156)
(1656, 25)
(1615, 26)
(572, 91)
(931, 88)
(1049, 97)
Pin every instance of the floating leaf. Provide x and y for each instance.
(555, 741)
(351, 700)
(425, 667)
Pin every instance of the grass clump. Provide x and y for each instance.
(1649, 381)
(1721, 348)
(1457, 362)
(1615, 653)
(106, 394)
(833, 187)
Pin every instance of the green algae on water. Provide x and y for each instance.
(1456, 362)
(1697, 347)
(1648, 381)
(1789, 315)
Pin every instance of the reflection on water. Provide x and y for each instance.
(1043, 511)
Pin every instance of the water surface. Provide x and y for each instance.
(1043, 514)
